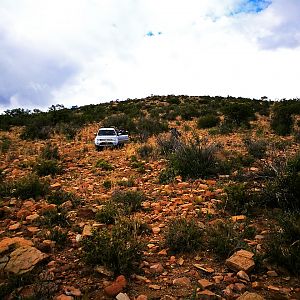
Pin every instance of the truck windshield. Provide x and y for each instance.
(106, 132)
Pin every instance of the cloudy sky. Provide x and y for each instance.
(76, 52)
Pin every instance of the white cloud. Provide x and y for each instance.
(80, 52)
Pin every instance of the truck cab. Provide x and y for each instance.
(110, 137)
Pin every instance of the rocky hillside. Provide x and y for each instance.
(207, 210)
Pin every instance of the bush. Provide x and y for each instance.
(256, 148)
(60, 196)
(283, 190)
(107, 184)
(238, 113)
(130, 201)
(104, 165)
(122, 121)
(36, 131)
(145, 151)
(136, 164)
(120, 249)
(239, 199)
(108, 213)
(59, 236)
(167, 176)
(50, 152)
(194, 160)
(27, 187)
(45, 167)
(147, 127)
(54, 218)
(5, 144)
(168, 145)
(224, 239)
(283, 244)
(208, 121)
(183, 235)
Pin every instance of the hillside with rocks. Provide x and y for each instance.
(202, 203)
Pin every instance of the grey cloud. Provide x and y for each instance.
(29, 76)
(286, 32)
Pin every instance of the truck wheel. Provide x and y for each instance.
(99, 148)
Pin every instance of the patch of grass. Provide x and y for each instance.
(45, 167)
(136, 164)
(130, 201)
(126, 182)
(27, 187)
(167, 176)
(108, 213)
(54, 218)
(208, 121)
(195, 160)
(224, 239)
(50, 152)
(239, 199)
(145, 151)
(256, 148)
(107, 184)
(120, 249)
(183, 236)
(60, 196)
(283, 244)
(5, 144)
(58, 235)
(283, 190)
(104, 165)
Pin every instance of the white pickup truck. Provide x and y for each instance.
(110, 137)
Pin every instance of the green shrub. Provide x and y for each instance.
(107, 184)
(167, 176)
(238, 113)
(239, 199)
(168, 145)
(45, 167)
(50, 152)
(130, 201)
(136, 164)
(120, 121)
(60, 196)
(120, 249)
(28, 187)
(284, 189)
(256, 148)
(147, 127)
(108, 213)
(5, 144)
(183, 235)
(224, 239)
(194, 160)
(126, 182)
(54, 218)
(283, 244)
(208, 121)
(59, 236)
(145, 151)
(36, 131)
(104, 165)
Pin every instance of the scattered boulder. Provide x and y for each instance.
(23, 259)
(250, 296)
(182, 281)
(116, 287)
(241, 260)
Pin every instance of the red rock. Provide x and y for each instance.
(243, 275)
(250, 296)
(241, 260)
(142, 297)
(14, 226)
(182, 281)
(204, 283)
(6, 243)
(116, 287)
(64, 297)
(207, 295)
(156, 268)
